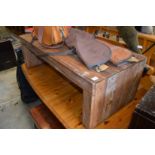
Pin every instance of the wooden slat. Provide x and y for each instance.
(65, 100)
(148, 37)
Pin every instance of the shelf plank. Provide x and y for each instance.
(64, 99)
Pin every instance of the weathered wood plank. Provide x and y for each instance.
(93, 105)
(30, 59)
(121, 90)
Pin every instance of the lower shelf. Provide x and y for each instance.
(57, 93)
(64, 99)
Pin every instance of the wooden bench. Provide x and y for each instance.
(98, 95)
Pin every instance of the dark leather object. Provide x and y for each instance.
(73, 34)
(144, 115)
(91, 51)
(26, 91)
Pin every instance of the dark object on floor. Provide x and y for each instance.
(27, 93)
(144, 115)
(7, 55)
(44, 119)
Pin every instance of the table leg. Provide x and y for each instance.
(93, 105)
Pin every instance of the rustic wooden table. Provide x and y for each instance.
(103, 93)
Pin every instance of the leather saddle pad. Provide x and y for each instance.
(94, 52)
(91, 51)
(119, 54)
(73, 34)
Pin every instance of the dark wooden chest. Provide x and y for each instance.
(144, 115)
